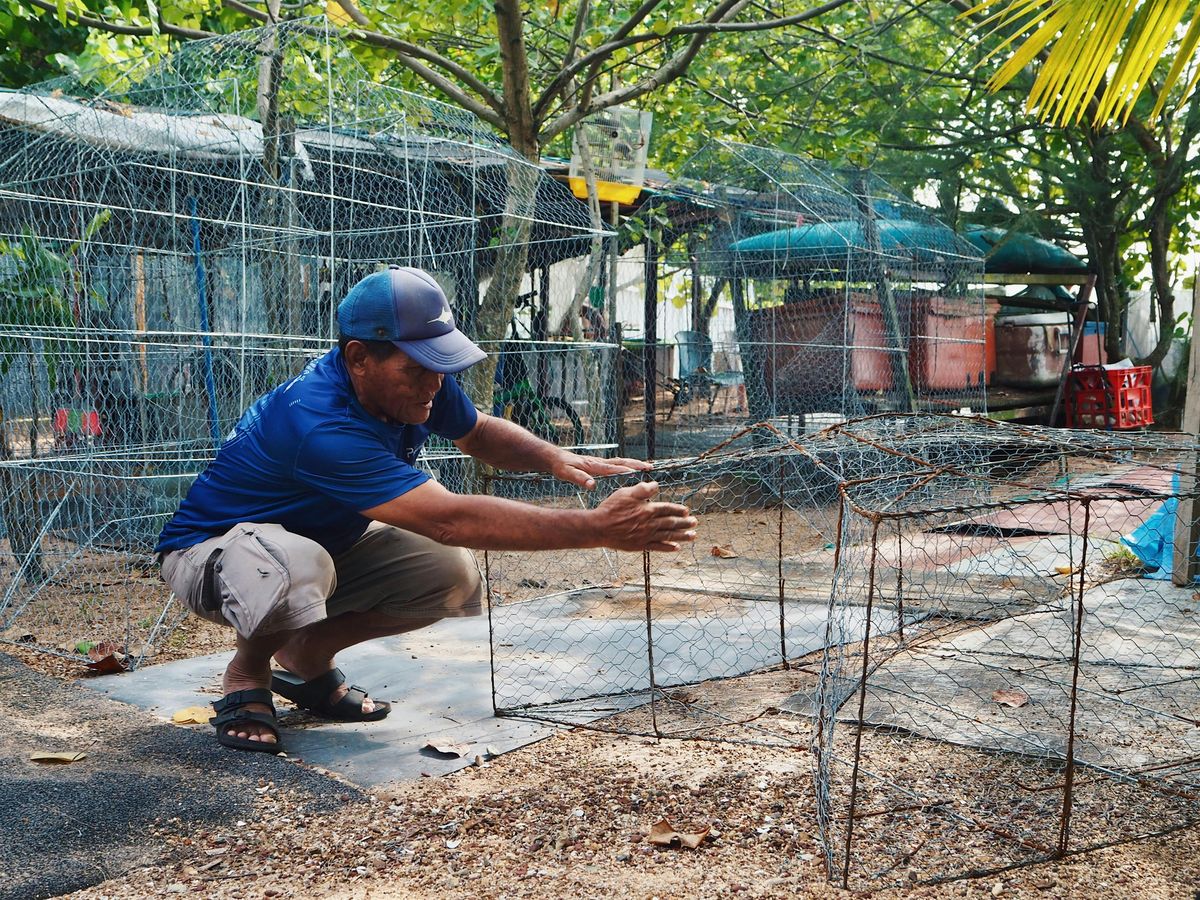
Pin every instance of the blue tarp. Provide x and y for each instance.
(1015, 253)
(1154, 541)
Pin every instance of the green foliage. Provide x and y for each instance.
(1096, 57)
(1123, 561)
(38, 287)
(32, 44)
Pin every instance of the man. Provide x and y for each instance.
(312, 529)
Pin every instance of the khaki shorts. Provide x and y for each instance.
(262, 578)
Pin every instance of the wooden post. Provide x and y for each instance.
(1081, 312)
(1187, 530)
(650, 339)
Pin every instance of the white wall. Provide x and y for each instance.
(674, 313)
(1141, 334)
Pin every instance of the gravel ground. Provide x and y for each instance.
(569, 817)
(140, 787)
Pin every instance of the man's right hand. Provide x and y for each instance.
(628, 520)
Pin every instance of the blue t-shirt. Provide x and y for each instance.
(308, 457)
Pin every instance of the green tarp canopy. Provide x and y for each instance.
(841, 247)
(1011, 253)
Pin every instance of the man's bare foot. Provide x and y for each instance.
(249, 731)
(292, 659)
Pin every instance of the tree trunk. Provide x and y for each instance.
(709, 307)
(592, 270)
(1102, 225)
(512, 255)
(1164, 212)
(277, 261)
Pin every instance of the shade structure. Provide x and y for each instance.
(835, 247)
(1012, 253)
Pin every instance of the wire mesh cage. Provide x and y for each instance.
(970, 625)
(175, 243)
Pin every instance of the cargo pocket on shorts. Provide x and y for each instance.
(251, 581)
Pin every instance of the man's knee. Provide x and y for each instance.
(454, 575)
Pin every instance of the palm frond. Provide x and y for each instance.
(1096, 56)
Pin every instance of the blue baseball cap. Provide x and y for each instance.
(407, 307)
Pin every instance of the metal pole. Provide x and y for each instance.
(779, 563)
(1081, 308)
(1064, 827)
(650, 339)
(862, 703)
(650, 643)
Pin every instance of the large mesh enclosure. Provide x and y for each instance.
(971, 625)
(175, 244)
(813, 294)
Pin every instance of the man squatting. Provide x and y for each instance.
(312, 529)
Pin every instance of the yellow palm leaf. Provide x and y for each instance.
(1095, 55)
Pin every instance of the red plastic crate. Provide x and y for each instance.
(1111, 399)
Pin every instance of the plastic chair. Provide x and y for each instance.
(696, 371)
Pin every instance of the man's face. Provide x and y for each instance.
(398, 390)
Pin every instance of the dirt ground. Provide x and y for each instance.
(570, 816)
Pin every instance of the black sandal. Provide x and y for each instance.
(230, 712)
(313, 696)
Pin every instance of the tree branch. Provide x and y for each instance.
(715, 23)
(666, 73)
(164, 27)
(564, 78)
(548, 96)
(409, 55)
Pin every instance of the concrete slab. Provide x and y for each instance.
(438, 679)
(1138, 702)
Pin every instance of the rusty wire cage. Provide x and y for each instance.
(970, 625)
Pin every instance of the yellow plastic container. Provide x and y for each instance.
(606, 191)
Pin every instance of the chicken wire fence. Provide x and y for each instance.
(887, 587)
(174, 240)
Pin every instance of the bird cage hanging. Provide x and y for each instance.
(614, 144)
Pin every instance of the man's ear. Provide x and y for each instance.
(355, 354)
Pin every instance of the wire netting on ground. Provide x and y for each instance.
(174, 244)
(887, 587)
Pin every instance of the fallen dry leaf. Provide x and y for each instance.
(107, 658)
(722, 552)
(109, 665)
(1010, 697)
(663, 834)
(193, 715)
(448, 750)
(57, 759)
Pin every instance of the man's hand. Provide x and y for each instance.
(576, 469)
(629, 521)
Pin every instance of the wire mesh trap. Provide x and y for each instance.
(887, 587)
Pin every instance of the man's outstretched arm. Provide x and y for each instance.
(629, 519)
(506, 445)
